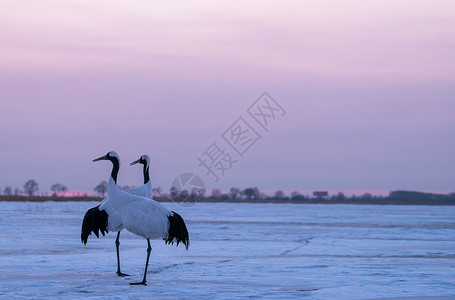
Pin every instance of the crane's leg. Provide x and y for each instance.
(117, 244)
(149, 249)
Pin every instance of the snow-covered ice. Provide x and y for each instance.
(274, 251)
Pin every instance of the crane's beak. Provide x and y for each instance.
(100, 158)
(135, 162)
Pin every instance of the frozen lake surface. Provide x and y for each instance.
(272, 251)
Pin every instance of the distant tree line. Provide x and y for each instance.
(31, 188)
(252, 194)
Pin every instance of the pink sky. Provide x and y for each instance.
(368, 87)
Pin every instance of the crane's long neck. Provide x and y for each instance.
(146, 173)
(115, 194)
(115, 169)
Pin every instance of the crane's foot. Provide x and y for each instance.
(138, 283)
(121, 274)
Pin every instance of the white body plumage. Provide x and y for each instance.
(139, 215)
(114, 220)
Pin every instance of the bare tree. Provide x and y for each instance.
(339, 197)
(296, 196)
(252, 193)
(235, 193)
(8, 191)
(184, 194)
(197, 194)
(174, 192)
(216, 194)
(101, 188)
(31, 187)
(156, 192)
(279, 195)
(58, 189)
(17, 192)
(63, 189)
(55, 188)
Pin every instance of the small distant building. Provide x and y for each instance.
(320, 194)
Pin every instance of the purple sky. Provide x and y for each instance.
(368, 87)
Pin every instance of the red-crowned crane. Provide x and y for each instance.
(104, 218)
(144, 216)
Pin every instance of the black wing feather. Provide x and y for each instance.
(177, 231)
(95, 220)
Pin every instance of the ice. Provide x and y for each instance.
(271, 251)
